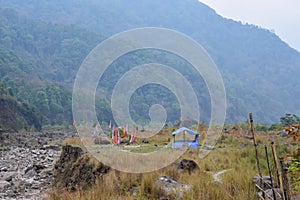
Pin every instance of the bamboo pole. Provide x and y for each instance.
(286, 180)
(279, 178)
(255, 144)
(264, 193)
(270, 172)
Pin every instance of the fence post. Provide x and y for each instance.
(286, 180)
(279, 178)
(270, 172)
(255, 144)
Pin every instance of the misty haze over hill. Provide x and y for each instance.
(260, 71)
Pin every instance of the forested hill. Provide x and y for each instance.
(53, 51)
(261, 72)
(38, 63)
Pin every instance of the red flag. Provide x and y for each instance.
(125, 133)
(116, 135)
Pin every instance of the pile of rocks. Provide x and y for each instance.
(265, 183)
(32, 139)
(26, 163)
(26, 173)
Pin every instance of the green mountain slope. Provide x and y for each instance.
(54, 51)
(16, 115)
(261, 72)
(38, 63)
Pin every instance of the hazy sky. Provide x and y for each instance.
(282, 16)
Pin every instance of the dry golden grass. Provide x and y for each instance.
(72, 141)
(232, 152)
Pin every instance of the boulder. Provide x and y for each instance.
(187, 165)
(171, 186)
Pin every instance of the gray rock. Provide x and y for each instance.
(9, 177)
(35, 152)
(26, 172)
(266, 183)
(208, 147)
(30, 181)
(4, 185)
(282, 134)
(187, 165)
(244, 144)
(171, 185)
(4, 169)
(31, 172)
(269, 194)
(166, 180)
(296, 197)
(39, 167)
(50, 159)
(28, 169)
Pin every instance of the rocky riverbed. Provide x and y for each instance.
(26, 163)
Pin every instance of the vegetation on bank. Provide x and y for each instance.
(233, 151)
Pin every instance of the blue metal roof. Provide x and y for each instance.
(184, 129)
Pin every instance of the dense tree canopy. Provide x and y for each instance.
(43, 44)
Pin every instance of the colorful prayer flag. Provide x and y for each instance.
(134, 136)
(119, 137)
(131, 139)
(116, 133)
(96, 130)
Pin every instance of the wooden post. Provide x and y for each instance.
(270, 172)
(279, 178)
(255, 145)
(286, 180)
